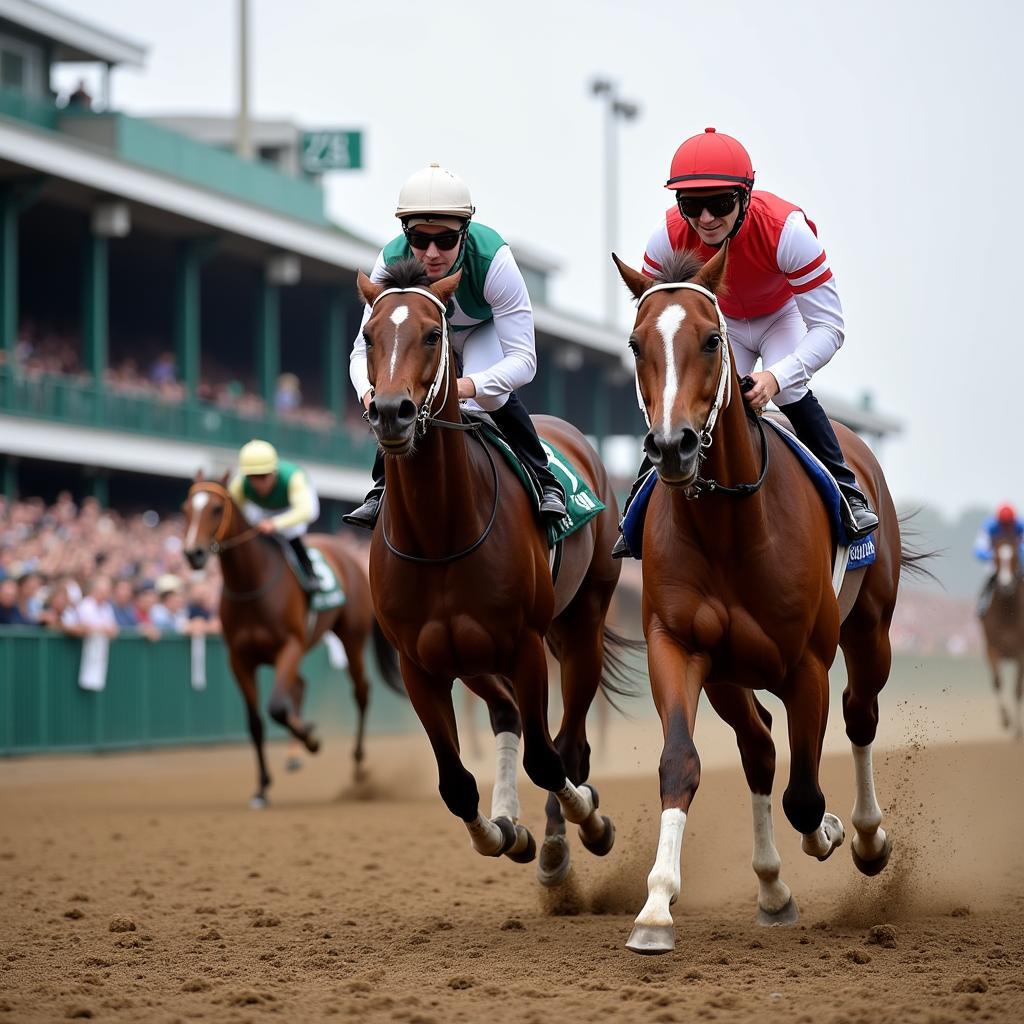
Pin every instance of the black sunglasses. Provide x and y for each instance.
(445, 240)
(718, 206)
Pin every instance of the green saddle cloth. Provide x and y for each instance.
(581, 503)
(330, 594)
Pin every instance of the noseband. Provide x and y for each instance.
(723, 396)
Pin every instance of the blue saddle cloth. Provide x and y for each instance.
(861, 553)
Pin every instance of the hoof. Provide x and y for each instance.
(509, 836)
(553, 865)
(835, 828)
(311, 740)
(788, 915)
(872, 867)
(603, 845)
(293, 764)
(258, 802)
(528, 851)
(649, 940)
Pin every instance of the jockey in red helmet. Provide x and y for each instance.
(780, 301)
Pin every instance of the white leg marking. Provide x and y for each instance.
(668, 323)
(485, 836)
(398, 317)
(505, 798)
(665, 878)
(578, 807)
(867, 815)
(199, 501)
(829, 834)
(773, 894)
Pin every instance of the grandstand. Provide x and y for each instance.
(163, 300)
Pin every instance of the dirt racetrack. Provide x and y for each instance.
(140, 888)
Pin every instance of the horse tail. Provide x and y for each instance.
(387, 660)
(620, 676)
(911, 555)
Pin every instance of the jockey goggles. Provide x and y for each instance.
(720, 205)
(444, 240)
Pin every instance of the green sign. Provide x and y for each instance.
(331, 151)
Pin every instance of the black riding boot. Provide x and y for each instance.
(365, 517)
(813, 427)
(311, 583)
(621, 549)
(514, 422)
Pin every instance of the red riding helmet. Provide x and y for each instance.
(710, 160)
(1006, 516)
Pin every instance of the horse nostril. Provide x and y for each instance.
(406, 411)
(653, 449)
(689, 444)
(372, 413)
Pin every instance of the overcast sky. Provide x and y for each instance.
(895, 125)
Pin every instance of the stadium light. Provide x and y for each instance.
(111, 220)
(283, 268)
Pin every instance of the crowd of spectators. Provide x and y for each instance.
(81, 570)
(51, 352)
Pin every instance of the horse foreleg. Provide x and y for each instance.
(245, 675)
(431, 698)
(1019, 731)
(752, 724)
(507, 728)
(805, 694)
(676, 681)
(282, 706)
(293, 761)
(361, 693)
(994, 662)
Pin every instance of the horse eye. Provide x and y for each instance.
(433, 337)
(712, 343)
(634, 348)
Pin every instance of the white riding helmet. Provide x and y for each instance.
(257, 457)
(435, 195)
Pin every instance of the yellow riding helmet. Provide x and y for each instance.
(257, 457)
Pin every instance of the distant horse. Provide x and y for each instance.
(263, 611)
(737, 594)
(462, 585)
(1003, 625)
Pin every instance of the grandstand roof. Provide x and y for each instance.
(75, 39)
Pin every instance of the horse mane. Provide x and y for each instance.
(407, 273)
(681, 266)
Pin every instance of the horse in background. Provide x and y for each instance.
(462, 582)
(1002, 623)
(265, 618)
(738, 595)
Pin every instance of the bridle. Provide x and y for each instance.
(425, 417)
(723, 396)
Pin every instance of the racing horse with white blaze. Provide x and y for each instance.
(1002, 623)
(462, 583)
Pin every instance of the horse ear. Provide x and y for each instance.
(199, 475)
(225, 478)
(367, 289)
(713, 272)
(636, 282)
(445, 288)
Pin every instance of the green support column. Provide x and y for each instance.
(334, 364)
(187, 310)
(8, 274)
(95, 305)
(268, 341)
(100, 487)
(11, 478)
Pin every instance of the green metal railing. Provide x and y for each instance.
(65, 400)
(41, 113)
(149, 700)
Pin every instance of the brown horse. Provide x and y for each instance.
(737, 594)
(1003, 625)
(263, 610)
(462, 584)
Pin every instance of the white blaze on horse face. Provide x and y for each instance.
(398, 317)
(199, 501)
(1004, 555)
(669, 321)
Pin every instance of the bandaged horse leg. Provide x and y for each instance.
(752, 723)
(870, 842)
(805, 694)
(676, 681)
(284, 706)
(431, 698)
(504, 715)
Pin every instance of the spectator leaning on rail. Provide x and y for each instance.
(490, 318)
(10, 613)
(277, 497)
(95, 610)
(779, 298)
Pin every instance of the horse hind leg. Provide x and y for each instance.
(245, 675)
(868, 659)
(361, 694)
(994, 661)
(752, 724)
(284, 706)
